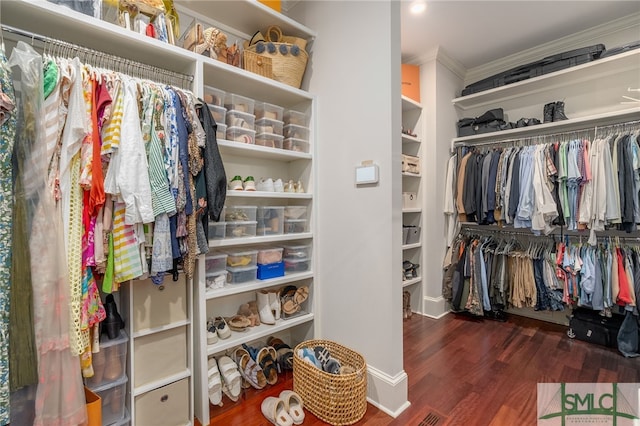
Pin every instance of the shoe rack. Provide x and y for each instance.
(167, 346)
(412, 200)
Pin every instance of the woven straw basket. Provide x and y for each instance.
(338, 399)
(286, 67)
(258, 64)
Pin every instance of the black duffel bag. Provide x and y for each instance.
(490, 121)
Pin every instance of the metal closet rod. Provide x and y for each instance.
(609, 234)
(125, 65)
(533, 140)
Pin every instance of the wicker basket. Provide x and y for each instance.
(338, 399)
(287, 68)
(257, 64)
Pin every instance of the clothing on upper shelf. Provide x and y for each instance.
(583, 184)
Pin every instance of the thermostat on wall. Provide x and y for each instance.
(367, 173)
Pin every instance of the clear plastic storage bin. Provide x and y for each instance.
(242, 135)
(240, 213)
(295, 117)
(296, 265)
(214, 96)
(266, 110)
(112, 395)
(296, 132)
(242, 274)
(217, 230)
(218, 113)
(295, 226)
(110, 363)
(239, 103)
(269, 140)
(216, 280)
(221, 131)
(242, 258)
(298, 145)
(215, 262)
(125, 421)
(295, 212)
(240, 119)
(270, 220)
(241, 229)
(269, 255)
(266, 125)
(300, 251)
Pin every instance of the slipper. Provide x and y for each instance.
(283, 351)
(329, 364)
(215, 384)
(251, 312)
(266, 361)
(232, 385)
(274, 410)
(307, 355)
(249, 370)
(222, 329)
(238, 323)
(294, 406)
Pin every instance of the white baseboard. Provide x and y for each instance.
(388, 393)
(434, 307)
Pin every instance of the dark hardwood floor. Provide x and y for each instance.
(464, 371)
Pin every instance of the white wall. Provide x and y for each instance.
(355, 72)
(438, 85)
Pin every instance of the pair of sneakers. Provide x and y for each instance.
(237, 184)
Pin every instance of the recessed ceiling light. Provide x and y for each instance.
(418, 6)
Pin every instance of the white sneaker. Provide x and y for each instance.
(278, 186)
(249, 184)
(236, 183)
(266, 185)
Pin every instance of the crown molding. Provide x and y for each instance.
(578, 40)
(437, 54)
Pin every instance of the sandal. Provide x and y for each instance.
(238, 323)
(193, 38)
(301, 295)
(250, 310)
(215, 384)
(294, 406)
(222, 328)
(284, 353)
(266, 360)
(249, 370)
(232, 379)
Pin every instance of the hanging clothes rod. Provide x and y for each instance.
(537, 139)
(472, 228)
(105, 60)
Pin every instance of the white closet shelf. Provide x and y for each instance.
(229, 242)
(411, 246)
(417, 210)
(255, 333)
(247, 16)
(230, 289)
(410, 139)
(409, 104)
(257, 151)
(555, 127)
(237, 80)
(139, 390)
(148, 331)
(269, 195)
(414, 175)
(63, 23)
(412, 281)
(591, 71)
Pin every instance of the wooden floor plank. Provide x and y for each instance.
(468, 372)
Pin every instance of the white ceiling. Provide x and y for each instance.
(477, 32)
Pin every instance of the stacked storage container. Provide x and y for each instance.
(240, 119)
(269, 125)
(242, 265)
(270, 264)
(296, 131)
(214, 99)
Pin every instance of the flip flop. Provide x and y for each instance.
(274, 410)
(294, 406)
(267, 362)
(215, 384)
(231, 377)
(249, 370)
